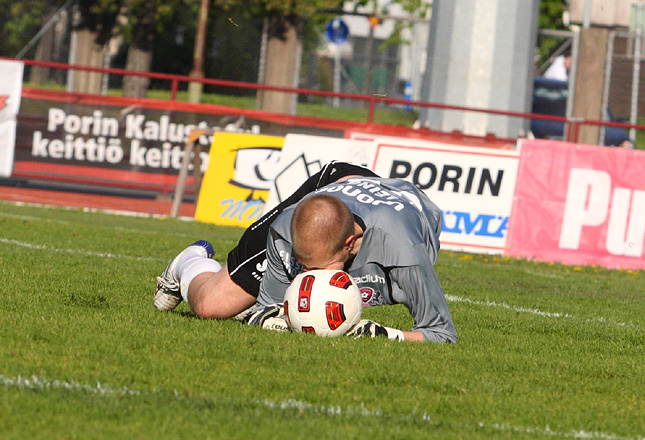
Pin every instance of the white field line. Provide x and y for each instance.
(544, 275)
(104, 211)
(31, 218)
(39, 383)
(67, 222)
(116, 228)
(44, 384)
(538, 312)
(41, 247)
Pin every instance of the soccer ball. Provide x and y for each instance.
(324, 302)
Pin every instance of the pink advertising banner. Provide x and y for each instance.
(579, 205)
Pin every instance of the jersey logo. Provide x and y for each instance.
(262, 267)
(371, 297)
(3, 101)
(367, 293)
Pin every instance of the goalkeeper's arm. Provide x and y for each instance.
(371, 329)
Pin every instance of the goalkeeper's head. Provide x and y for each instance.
(323, 232)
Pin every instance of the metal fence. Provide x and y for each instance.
(372, 102)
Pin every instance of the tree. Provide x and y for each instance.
(50, 46)
(283, 20)
(143, 21)
(155, 28)
(92, 30)
(19, 23)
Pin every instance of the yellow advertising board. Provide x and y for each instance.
(241, 169)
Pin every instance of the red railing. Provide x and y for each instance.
(372, 100)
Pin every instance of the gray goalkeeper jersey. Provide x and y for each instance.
(395, 262)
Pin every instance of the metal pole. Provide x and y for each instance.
(586, 19)
(73, 47)
(107, 62)
(573, 75)
(638, 44)
(181, 180)
(336, 101)
(370, 60)
(262, 63)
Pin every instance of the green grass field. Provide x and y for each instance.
(546, 351)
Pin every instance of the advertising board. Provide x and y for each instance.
(238, 178)
(472, 186)
(579, 205)
(10, 94)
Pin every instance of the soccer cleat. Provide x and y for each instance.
(167, 294)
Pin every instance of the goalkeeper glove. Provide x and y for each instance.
(270, 317)
(278, 324)
(372, 329)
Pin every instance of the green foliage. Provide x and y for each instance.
(18, 23)
(551, 13)
(551, 17)
(545, 351)
(301, 8)
(99, 16)
(163, 13)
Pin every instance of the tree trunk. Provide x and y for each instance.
(139, 59)
(88, 53)
(195, 88)
(44, 50)
(283, 55)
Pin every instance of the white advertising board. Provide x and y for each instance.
(472, 186)
(303, 156)
(10, 92)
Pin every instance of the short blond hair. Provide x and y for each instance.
(320, 221)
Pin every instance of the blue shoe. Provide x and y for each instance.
(167, 294)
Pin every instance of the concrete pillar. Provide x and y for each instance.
(590, 77)
(480, 54)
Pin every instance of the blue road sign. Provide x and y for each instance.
(337, 31)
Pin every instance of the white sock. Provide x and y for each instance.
(197, 265)
(186, 256)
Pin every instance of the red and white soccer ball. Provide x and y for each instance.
(324, 302)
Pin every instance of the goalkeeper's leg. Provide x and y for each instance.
(202, 282)
(215, 295)
(167, 294)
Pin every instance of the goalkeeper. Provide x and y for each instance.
(383, 232)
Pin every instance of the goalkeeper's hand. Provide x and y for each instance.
(277, 323)
(371, 329)
(270, 317)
